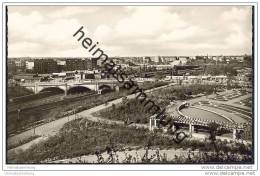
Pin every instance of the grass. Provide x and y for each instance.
(21, 142)
(17, 91)
(135, 112)
(82, 137)
(132, 111)
(149, 85)
(181, 92)
(157, 156)
(56, 110)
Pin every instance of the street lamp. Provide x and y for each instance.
(34, 129)
(75, 113)
(18, 114)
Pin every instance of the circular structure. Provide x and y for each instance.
(210, 111)
(196, 113)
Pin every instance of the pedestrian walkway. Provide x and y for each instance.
(53, 127)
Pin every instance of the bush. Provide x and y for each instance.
(76, 139)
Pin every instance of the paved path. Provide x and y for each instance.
(238, 99)
(232, 101)
(53, 127)
(28, 145)
(232, 116)
(229, 117)
(86, 115)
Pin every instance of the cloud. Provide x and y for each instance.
(69, 11)
(35, 35)
(131, 30)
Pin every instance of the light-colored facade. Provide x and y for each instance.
(221, 79)
(29, 65)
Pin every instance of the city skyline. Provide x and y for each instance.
(33, 30)
(89, 57)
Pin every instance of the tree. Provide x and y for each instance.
(159, 76)
(213, 127)
(124, 100)
(113, 107)
(230, 79)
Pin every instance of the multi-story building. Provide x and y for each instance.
(78, 64)
(73, 64)
(135, 60)
(169, 59)
(20, 65)
(61, 64)
(45, 66)
(29, 66)
(187, 70)
(11, 67)
(147, 60)
(199, 79)
(237, 58)
(244, 77)
(94, 63)
(156, 59)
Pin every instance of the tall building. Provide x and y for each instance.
(20, 65)
(29, 65)
(78, 64)
(11, 67)
(61, 64)
(45, 66)
(169, 59)
(94, 63)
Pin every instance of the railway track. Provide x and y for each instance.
(54, 104)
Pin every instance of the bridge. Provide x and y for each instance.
(96, 85)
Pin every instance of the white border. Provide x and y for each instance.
(153, 167)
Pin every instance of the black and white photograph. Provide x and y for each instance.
(129, 84)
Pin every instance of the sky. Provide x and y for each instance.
(47, 31)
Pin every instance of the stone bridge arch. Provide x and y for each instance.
(89, 86)
(79, 89)
(106, 88)
(52, 89)
(41, 88)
